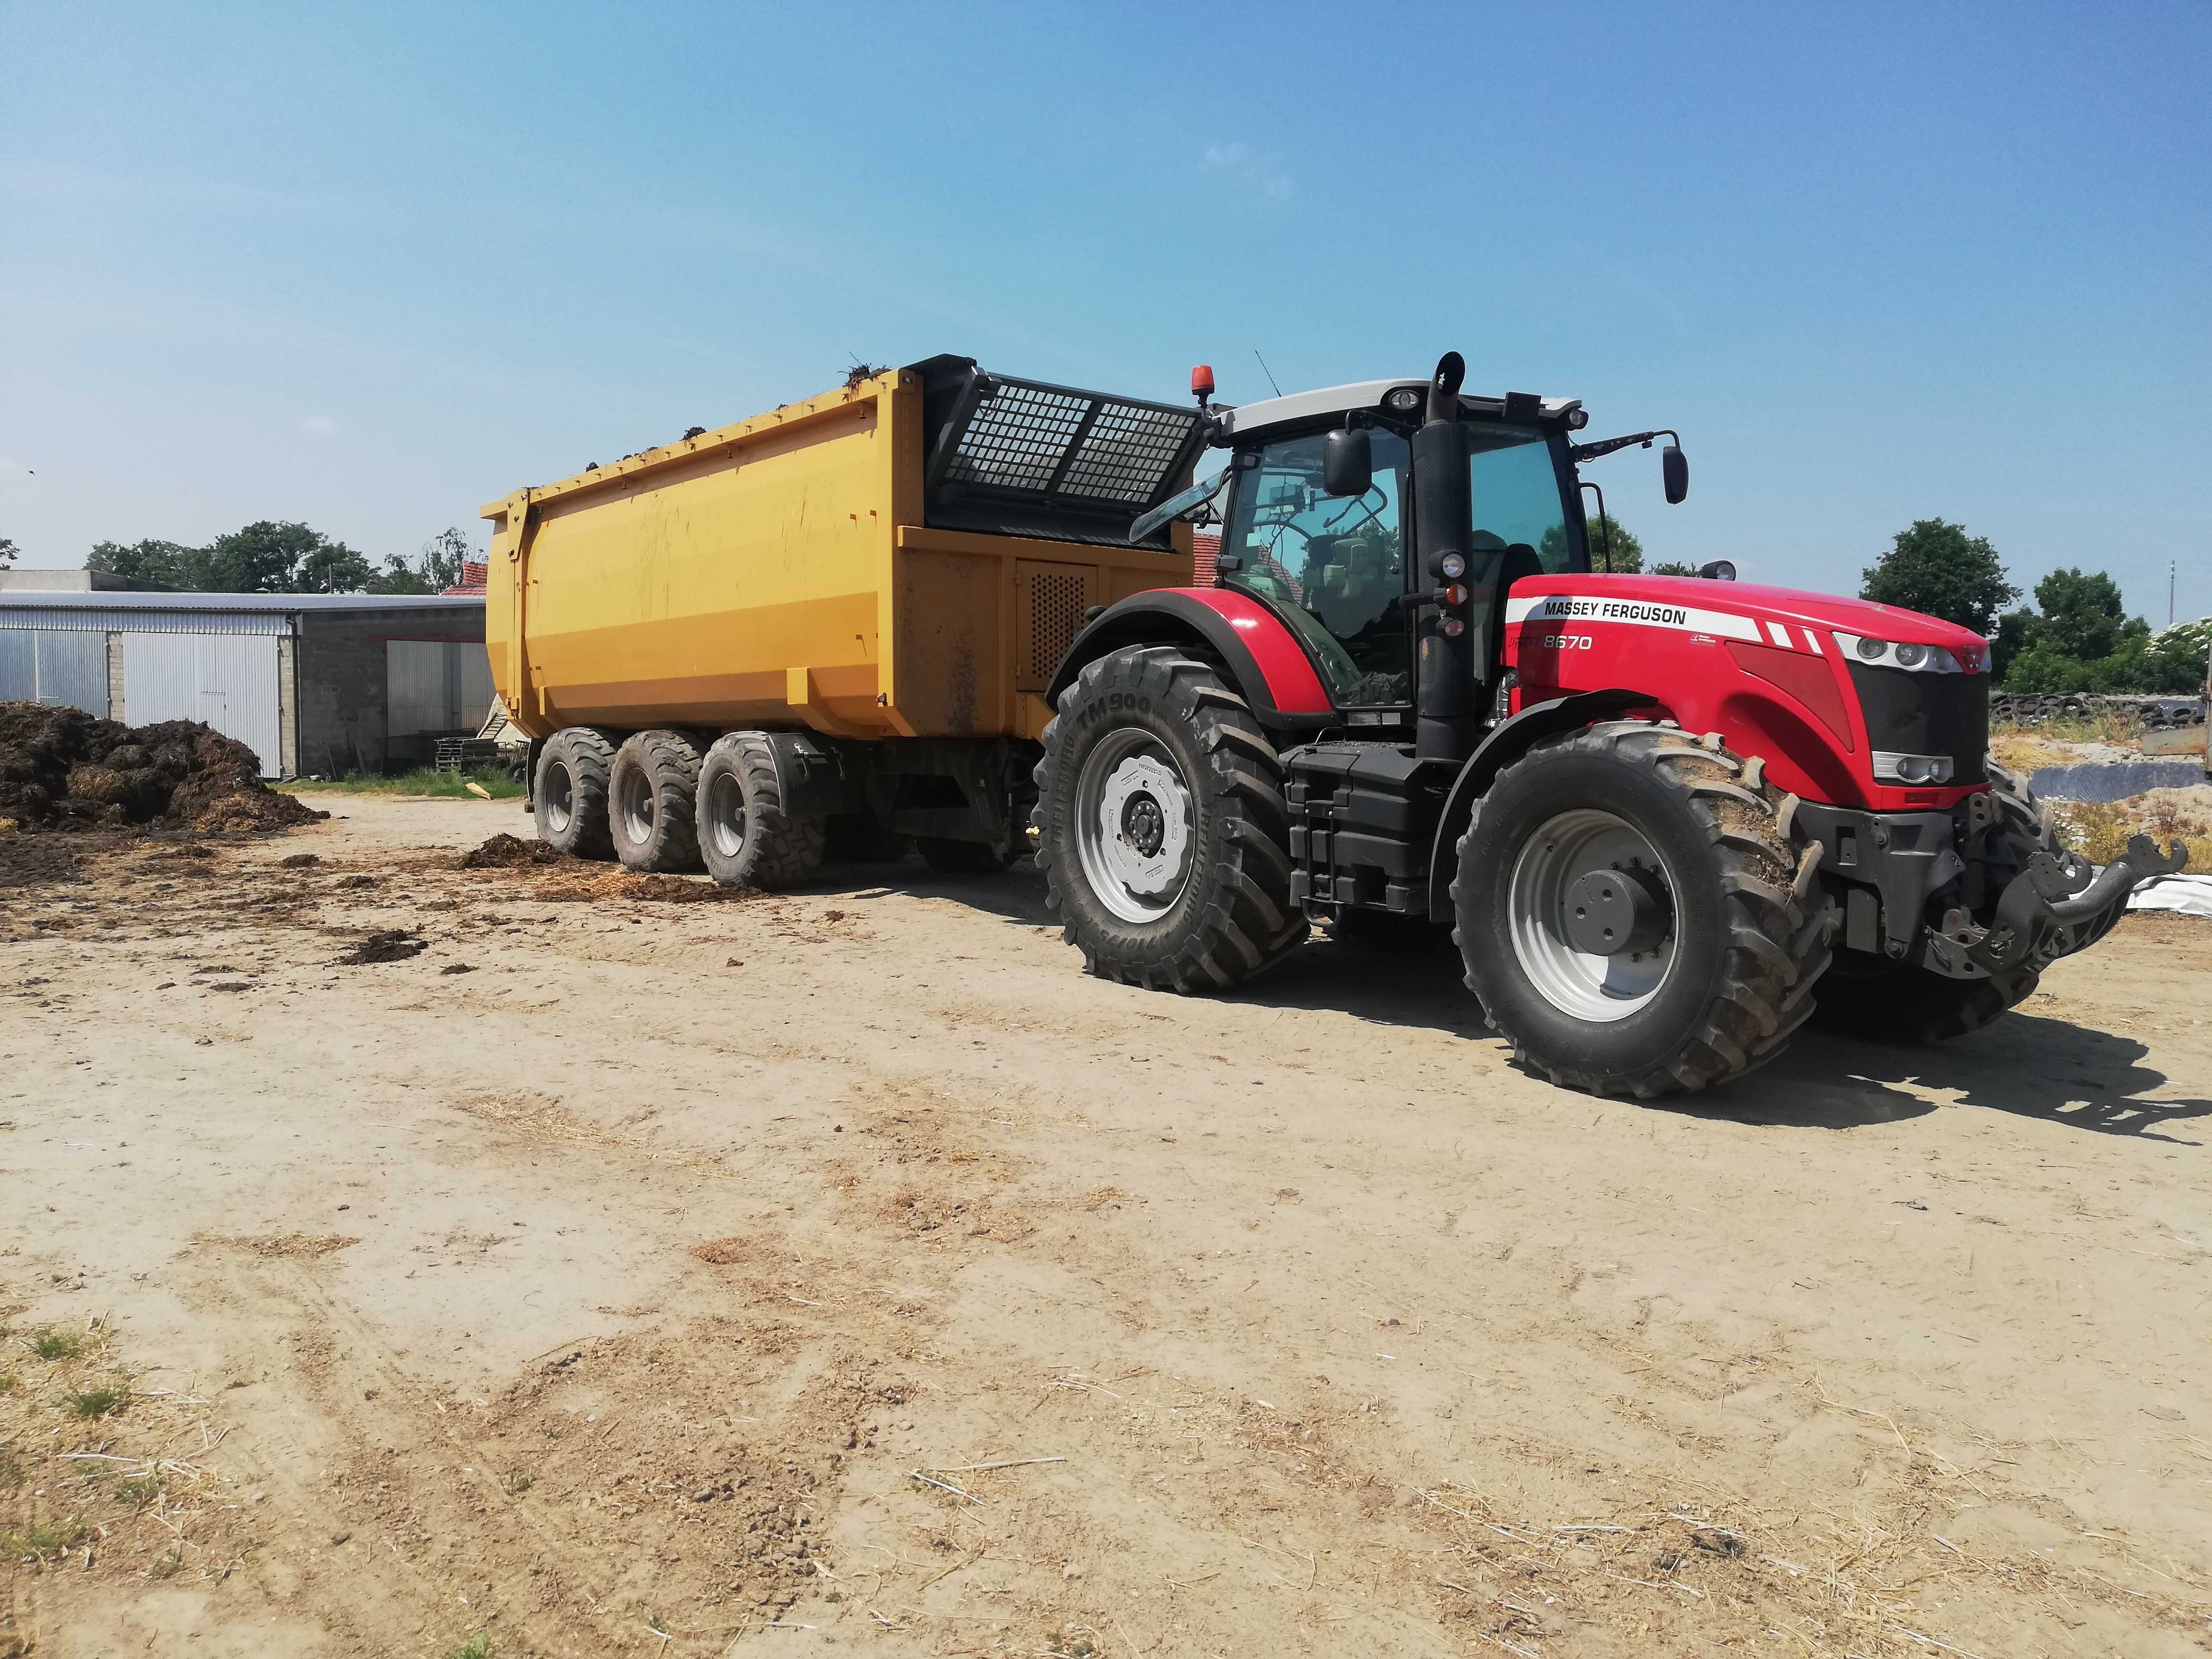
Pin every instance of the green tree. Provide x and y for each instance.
(1669, 567)
(287, 557)
(2016, 629)
(2080, 638)
(1626, 550)
(1937, 569)
(167, 564)
(7, 551)
(2083, 617)
(438, 567)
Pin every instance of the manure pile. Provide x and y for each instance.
(61, 768)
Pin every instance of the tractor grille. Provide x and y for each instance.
(1057, 601)
(1917, 714)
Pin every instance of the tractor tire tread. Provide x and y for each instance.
(1246, 922)
(1776, 947)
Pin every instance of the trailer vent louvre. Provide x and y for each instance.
(1056, 605)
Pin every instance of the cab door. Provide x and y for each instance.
(1334, 568)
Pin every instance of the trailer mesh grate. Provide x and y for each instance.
(1127, 453)
(1017, 438)
(1023, 458)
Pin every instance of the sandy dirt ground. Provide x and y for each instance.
(630, 1269)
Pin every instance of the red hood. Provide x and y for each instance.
(1827, 610)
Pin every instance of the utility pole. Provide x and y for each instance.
(2171, 565)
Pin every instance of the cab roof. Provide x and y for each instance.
(1301, 407)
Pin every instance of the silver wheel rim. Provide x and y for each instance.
(726, 815)
(1133, 819)
(560, 798)
(636, 806)
(1597, 988)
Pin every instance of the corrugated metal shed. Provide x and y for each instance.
(206, 613)
(305, 679)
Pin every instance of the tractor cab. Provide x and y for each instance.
(1331, 549)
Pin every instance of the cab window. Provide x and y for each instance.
(1334, 566)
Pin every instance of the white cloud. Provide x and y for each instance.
(322, 426)
(1262, 174)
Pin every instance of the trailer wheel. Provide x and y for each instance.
(961, 858)
(745, 836)
(1872, 997)
(570, 799)
(1162, 826)
(1632, 913)
(652, 790)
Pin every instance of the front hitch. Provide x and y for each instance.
(2051, 909)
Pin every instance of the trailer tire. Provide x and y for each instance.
(569, 798)
(1873, 998)
(962, 857)
(653, 791)
(746, 838)
(1210, 905)
(1732, 916)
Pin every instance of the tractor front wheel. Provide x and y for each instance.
(1632, 913)
(1162, 828)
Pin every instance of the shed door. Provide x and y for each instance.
(54, 666)
(227, 681)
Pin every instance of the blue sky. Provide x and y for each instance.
(372, 266)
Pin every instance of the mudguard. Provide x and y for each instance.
(1508, 741)
(1271, 669)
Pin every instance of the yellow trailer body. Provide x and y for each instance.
(788, 572)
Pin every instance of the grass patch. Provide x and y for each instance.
(9, 1382)
(58, 1345)
(519, 1481)
(98, 1402)
(2106, 726)
(137, 1493)
(2098, 830)
(476, 1647)
(11, 1471)
(495, 780)
(167, 1565)
(42, 1537)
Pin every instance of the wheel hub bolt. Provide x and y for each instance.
(1612, 912)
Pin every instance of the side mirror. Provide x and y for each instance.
(1674, 469)
(1720, 570)
(1347, 462)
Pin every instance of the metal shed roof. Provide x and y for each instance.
(208, 613)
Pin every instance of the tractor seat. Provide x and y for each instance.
(1520, 561)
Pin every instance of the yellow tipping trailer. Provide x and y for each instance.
(840, 614)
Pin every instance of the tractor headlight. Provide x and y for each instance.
(1404, 399)
(1452, 566)
(1920, 658)
(1893, 768)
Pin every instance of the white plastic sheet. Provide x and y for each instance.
(2191, 895)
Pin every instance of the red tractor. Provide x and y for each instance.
(1667, 819)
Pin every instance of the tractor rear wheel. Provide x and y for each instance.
(652, 790)
(745, 836)
(570, 800)
(1870, 996)
(1632, 913)
(1162, 828)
